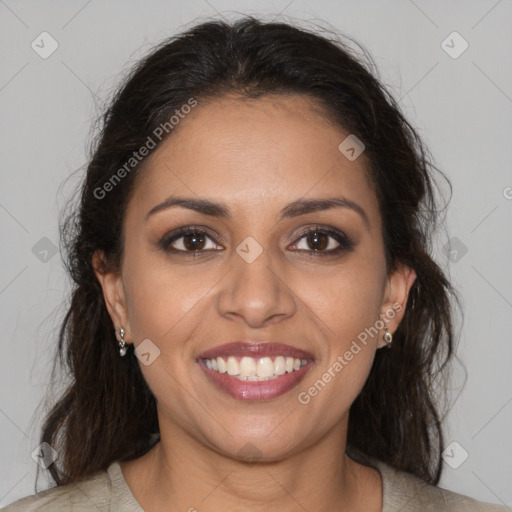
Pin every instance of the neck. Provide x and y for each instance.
(181, 474)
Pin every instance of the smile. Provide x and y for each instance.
(255, 371)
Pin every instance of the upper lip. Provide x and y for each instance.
(250, 348)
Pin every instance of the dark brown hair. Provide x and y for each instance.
(107, 412)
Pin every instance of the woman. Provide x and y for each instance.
(254, 228)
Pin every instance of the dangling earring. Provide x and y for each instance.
(388, 337)
(123, 347)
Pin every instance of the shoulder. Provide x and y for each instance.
(93, 493)
(409, 493)
(405, 492)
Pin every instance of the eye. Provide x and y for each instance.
(318, 241)
(190, 239)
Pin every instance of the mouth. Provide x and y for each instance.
(255, 370)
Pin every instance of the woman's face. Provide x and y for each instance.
(252, 274)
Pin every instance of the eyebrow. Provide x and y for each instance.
(294, 209)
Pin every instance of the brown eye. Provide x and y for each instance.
(318, 242)
(187, 240)
(194, 241)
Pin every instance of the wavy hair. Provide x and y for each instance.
(107, 412)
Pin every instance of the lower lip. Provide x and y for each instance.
(252, 390)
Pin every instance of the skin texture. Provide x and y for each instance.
(255, 156)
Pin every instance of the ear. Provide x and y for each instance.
(113, 292)
(395, 297)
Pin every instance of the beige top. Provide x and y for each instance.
(107, 491)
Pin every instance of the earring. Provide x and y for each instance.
(388, 337)
(123, 347)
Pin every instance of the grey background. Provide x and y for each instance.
(461, 106)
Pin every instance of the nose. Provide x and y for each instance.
(256, 292)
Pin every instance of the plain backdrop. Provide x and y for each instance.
(461, 104)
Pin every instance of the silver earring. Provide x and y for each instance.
(123, 347)
(388, 337)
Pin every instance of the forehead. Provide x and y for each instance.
(256, 154)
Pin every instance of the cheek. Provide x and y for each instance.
(165, 306)
(349, 300)
(160, 300)
(349, 304)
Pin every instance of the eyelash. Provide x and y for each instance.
(345, 244)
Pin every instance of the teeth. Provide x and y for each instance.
(248, 367)
(233, 368)
(265, 367)
(221, 364)
(251, 369)
(280, 365)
